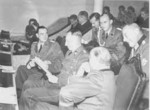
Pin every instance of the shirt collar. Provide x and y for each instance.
(109, 31)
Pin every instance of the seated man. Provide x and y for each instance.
(46, 50)
(84, 22)
(96, 91)
(112, 39)
(44, 90)
(140, 45)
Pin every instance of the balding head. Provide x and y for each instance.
(132, 34)
(99, 56)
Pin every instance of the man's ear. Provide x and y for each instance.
(111, 21)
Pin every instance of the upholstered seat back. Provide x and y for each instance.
(126, 84)
(130, 85)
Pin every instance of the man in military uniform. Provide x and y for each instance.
(47, 51)
(140, 45)
(112, 39)
(46, 91)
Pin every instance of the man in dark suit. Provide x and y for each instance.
(47, 51)
(94, 19)
(84, 22)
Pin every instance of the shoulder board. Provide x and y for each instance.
(84, 51)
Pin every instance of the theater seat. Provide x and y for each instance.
(130, 84)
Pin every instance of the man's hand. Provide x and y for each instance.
(45, 64)
(85, 67)
(52, 78)
(31, 64)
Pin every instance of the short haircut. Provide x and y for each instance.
(76, 32)
(145, 10)
(102, 54)
(32, 19)
(84, 13)
(96, 15)
(41, 27)
(109, 16)
(122, 7)
(131, 8)
(73, 16)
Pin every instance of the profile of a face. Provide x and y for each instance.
(94, 22)
(130, 34)
(42, 35)
(72, 41)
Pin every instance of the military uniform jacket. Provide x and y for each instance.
(71, 64)
(50, 51)
(143, 50)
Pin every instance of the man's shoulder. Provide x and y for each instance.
(117, 31)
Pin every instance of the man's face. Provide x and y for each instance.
(81, 19)
(73, 21)
(143, 15)
(42, 35)
(70, 41)
(131, 37)
(105, 22)
(94, 22)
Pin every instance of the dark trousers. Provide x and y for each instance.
(22, 75)
(38, 90)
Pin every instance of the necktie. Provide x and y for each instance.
(40, 48)
(106, 36)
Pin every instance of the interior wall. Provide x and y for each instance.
(14, 14)
(114, 4)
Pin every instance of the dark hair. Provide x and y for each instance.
(32, 19)
(84, 13)
(145, 10)
(131, 8)
(122, 7)
(109, 16)
(106, 8)
(73, 16)
(79, 33)
(96, 15)
(41, 27)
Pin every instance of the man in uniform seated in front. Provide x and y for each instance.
(140, 45)
(48, 51)
(96, 91)
(45, 90)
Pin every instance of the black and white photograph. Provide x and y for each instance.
(74, 55)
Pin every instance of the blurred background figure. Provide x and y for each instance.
(74, 22)
(131, 15)
(31, 29)
(143, 18)
(84, 22)
(122, 15)
(106, 10)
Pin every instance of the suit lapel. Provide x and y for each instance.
(45, 49)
